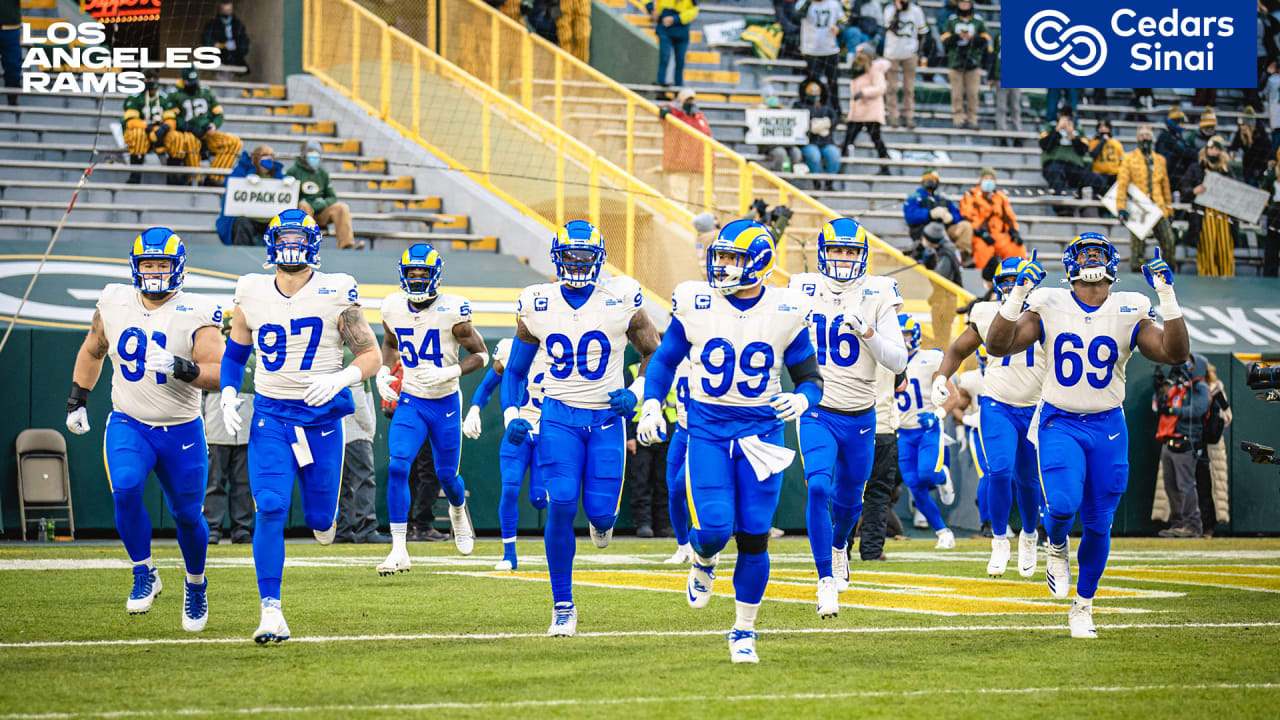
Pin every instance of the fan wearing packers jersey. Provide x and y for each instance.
(514, 461)
(739, 335)
(1088, 333)
(422, 330)
(582, 323)
(1011, 389)
(923, 457)
(150, 123)
(165, 345)
(296, 320)
(853, 324)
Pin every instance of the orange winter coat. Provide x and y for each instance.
(993, 212)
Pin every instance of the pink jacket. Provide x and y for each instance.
(872, 86)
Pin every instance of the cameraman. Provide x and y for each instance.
(928, 204)
(775, 219)
(1182, 402)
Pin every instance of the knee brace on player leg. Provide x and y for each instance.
(271, 503)
(752, 544)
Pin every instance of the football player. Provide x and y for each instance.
(677, 452)
(422, 330)
(582, 323)
(923, 457)
(967, 418)
(1011, 389)
(1088, 333)
(165, 345)
(739, 335)
(297, 320)
(854, 327)
(513, 460)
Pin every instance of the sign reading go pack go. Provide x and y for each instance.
(261, 201)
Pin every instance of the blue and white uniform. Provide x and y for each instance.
(514, 461)
(923, 457)
(677, 453)
(971, 381)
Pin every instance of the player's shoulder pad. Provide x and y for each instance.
(807, 283)
(1134, 304)
(456, 305)
(503, 351)
(250, 284)
(787, 301)
(691, 295)
(205, 309)
(882, 288)
(625, 290)
(115, 293)
(1047, 297)
(340, 286)
(534, 298)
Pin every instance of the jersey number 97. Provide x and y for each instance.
(273, 342)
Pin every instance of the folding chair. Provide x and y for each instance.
(43, 479)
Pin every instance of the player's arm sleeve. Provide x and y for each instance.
(516, 373)
(886, 344)
(802, 364)
(484, 391)
(671, 351)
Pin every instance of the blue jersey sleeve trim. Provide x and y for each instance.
(515, 374)
(800, 349)
(661, 372)
(231, 374)
(1133, 337)
(484, 391)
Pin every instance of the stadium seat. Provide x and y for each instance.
(43, 480)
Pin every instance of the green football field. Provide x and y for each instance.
(1187, 628)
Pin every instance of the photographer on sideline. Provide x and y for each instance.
(1182, 401)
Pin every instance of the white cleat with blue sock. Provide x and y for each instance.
(1080, 620)
(195, 606)
(272, 628)
(742, 646)
(999, 561)
(702, 574)
(683, 555)
(564, 620)
(325, 537)
(828, 598)
(840, 567)
(505, 565)
(1027, 553)
(1057, 569)
(146, 588)
(601, 539)
(464, 536)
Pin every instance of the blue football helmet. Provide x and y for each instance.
(293, 238)
(158, 243)
(578, 253)
(910, 331)
(421, 255)
(752, 245)
(1006, 276)
(1095, 267)
(843, 232)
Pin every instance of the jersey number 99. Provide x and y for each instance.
(1068, 365)
(565, 358)
(718, 359)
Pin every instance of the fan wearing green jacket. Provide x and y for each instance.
(318, 200)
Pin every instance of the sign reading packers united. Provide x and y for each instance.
(260, 201)
(777, 127)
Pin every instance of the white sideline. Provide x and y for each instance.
(625, 633)
(566, 702)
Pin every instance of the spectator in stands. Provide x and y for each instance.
(1143, 99)
(229, 460)
(821, 154)
(150, 123)
(775, 219)
(1106, 152)
(574, 28)
(1173, 144)
(1054, 101)
(1251, 146)
(357, 500)
(863, 25)
(776, 157)
(200, 114)
(11, 46)
(905, 29)
(682, 152)
(928, 204)
(1008, 100)
(317, 198)
(1208, 128)
(671, 21)
(995, 227)
(1182, 402)
(943, 14)
(1271, 218)
(936, 253)
(789, 21)
(1211, 232)
(225, 32)
(1064, 159)
(542, 16)
(1148, 171)
(820, 44)
(966, 41)
(866, 101)
(261, 163)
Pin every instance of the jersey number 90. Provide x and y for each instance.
(565, 358)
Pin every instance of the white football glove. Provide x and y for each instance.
(323, 388)
(159, 360)
(962, 440)
(437, 375)
(383, 380)
(230, 403)
(789, 406)
(940, 394)
(471, 423)
(855, 322)
(252, 178)
(970, 420)
(652, 427)
(78, 421)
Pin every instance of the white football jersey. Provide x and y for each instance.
(737, 356)
(1087, 350)
(584, 346)
(887, 413)
(682, 392)
(426, 339)
(848, 368)
(294, 337)
(531, 408)
(972, 382)
(1015, 380)
(916, 398)
(131, 328)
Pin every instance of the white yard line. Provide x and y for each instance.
(701, 700)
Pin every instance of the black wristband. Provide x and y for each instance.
(184, 369)
(78, 398)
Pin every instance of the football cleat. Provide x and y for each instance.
(947, 490)
(146, 588)
(698, 588)
(919, 521)
(1080, 620)
(946, 540)
(464, 536)
(1057, 569)
(504, 565)
(397, 561)
(601, 539)
(999, 561)
(272, 628)
(564, 620)
(682, 555)
(840, 567)
(195, 606)
(325, 537)
(742, 646)
(1027, 553)
(828, 598)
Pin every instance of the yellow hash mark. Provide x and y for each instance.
(1257, 579)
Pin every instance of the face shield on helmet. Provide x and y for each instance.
(293, 239)
(843, 250)
(1090, 258)
(740, 258)
(578, 253)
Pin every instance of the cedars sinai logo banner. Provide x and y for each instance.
(1051, 43)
